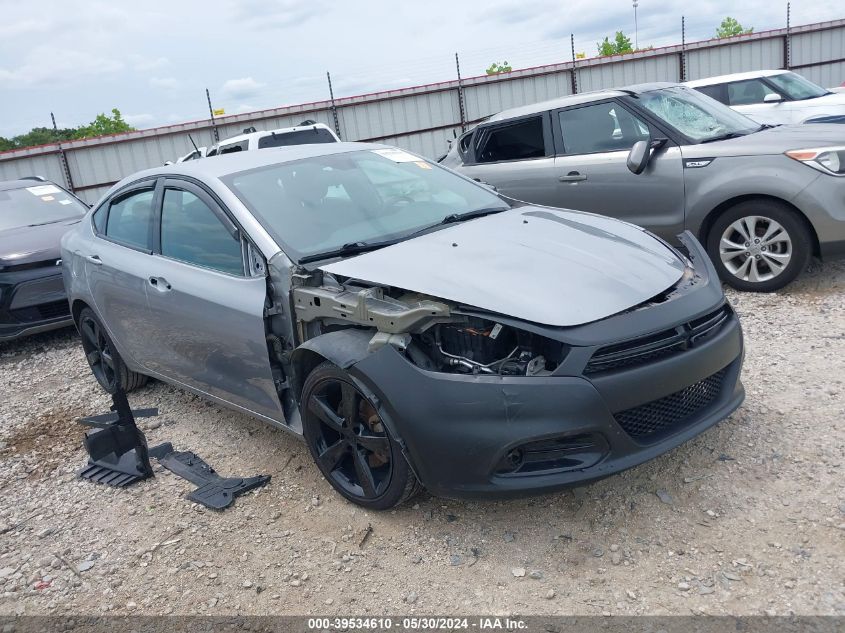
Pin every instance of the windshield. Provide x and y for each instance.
(36, 205)
(320, 204)
(696, 116)
(796, 87)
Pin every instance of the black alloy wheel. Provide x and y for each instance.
(350, 442)
(102, 356)
(99, 353)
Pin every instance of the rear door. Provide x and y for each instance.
(207, 308)
(515, 156)
(115, 265)
(592, 143)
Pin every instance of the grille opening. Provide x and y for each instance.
(652, 347)
(671, 412)
(554, 455)
(52, 310)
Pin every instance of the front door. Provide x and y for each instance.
(208, 311)
(592, 143)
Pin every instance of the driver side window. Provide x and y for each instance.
(602, 127)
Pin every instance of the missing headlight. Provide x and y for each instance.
(478, 346)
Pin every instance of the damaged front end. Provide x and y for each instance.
(432, 334)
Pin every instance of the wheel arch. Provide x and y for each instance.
(713, 215)
(342, 347)
(76, 309)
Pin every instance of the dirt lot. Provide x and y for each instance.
(748, 518)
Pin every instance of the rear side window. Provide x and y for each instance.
(299, 137)
(234, 147)
(515, 141)
(748, 92)
(719, 92)
(130, 219)
(603, 127)
(192, 233)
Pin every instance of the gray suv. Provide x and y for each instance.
(763, 199)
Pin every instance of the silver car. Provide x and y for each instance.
(762, 199)
(413, 326)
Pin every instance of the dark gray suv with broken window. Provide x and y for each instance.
(414, 327)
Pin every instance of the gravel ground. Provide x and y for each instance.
(748, 518)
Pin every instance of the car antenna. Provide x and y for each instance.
(191, 138)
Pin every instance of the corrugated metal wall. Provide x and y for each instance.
(422, 119)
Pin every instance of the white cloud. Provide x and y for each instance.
(46, 64)
(277, 13)
(241, 88)
(245, 107)
(143, 64)
(138, 120)
(167, 83)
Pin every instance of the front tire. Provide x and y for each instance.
(759, 245)
(350, 443)
(105, 362)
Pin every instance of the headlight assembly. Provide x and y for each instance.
(830, 160)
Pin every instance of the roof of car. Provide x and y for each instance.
(6, 185)
(261, 133)
(576, 99)
(723, 79)
(226, 164)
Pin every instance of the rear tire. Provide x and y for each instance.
(103, 358)
(759, 245)
(350, 443)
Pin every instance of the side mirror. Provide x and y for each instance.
(486, 184)
(638, 157)
(772, 97)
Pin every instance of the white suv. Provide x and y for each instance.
(775, 97)
(298, 135)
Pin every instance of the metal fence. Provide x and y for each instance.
(423, 118)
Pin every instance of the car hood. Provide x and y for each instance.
(30, 244)
(548, 266)
(774, 140)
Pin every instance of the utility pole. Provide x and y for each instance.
(62, 157)
(574, 74)
(211, 114)
(636, 27)
(334, 108)
(461, 95)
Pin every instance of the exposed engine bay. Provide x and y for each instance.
(433, 334)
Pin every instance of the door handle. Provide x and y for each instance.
(573, 176)
(160, 284)
(94, 259)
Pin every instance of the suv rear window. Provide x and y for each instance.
(514, 141)
(299, 137)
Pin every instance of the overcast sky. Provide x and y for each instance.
(153, 59)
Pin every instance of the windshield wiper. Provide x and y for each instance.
(356, 248)
(469, 215)
(350, 248)
(724, 137)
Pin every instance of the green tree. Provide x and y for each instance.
(102, 124)
(730, 27)
(496, 68)
(620, 44)
(105, 124)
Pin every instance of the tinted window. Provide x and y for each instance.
(747, 92)
(603, 127)
(516, 141)
(718, 92)
(234, 147)
(36, 205)
(131, 219)
(300, 137)
(192, 233)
